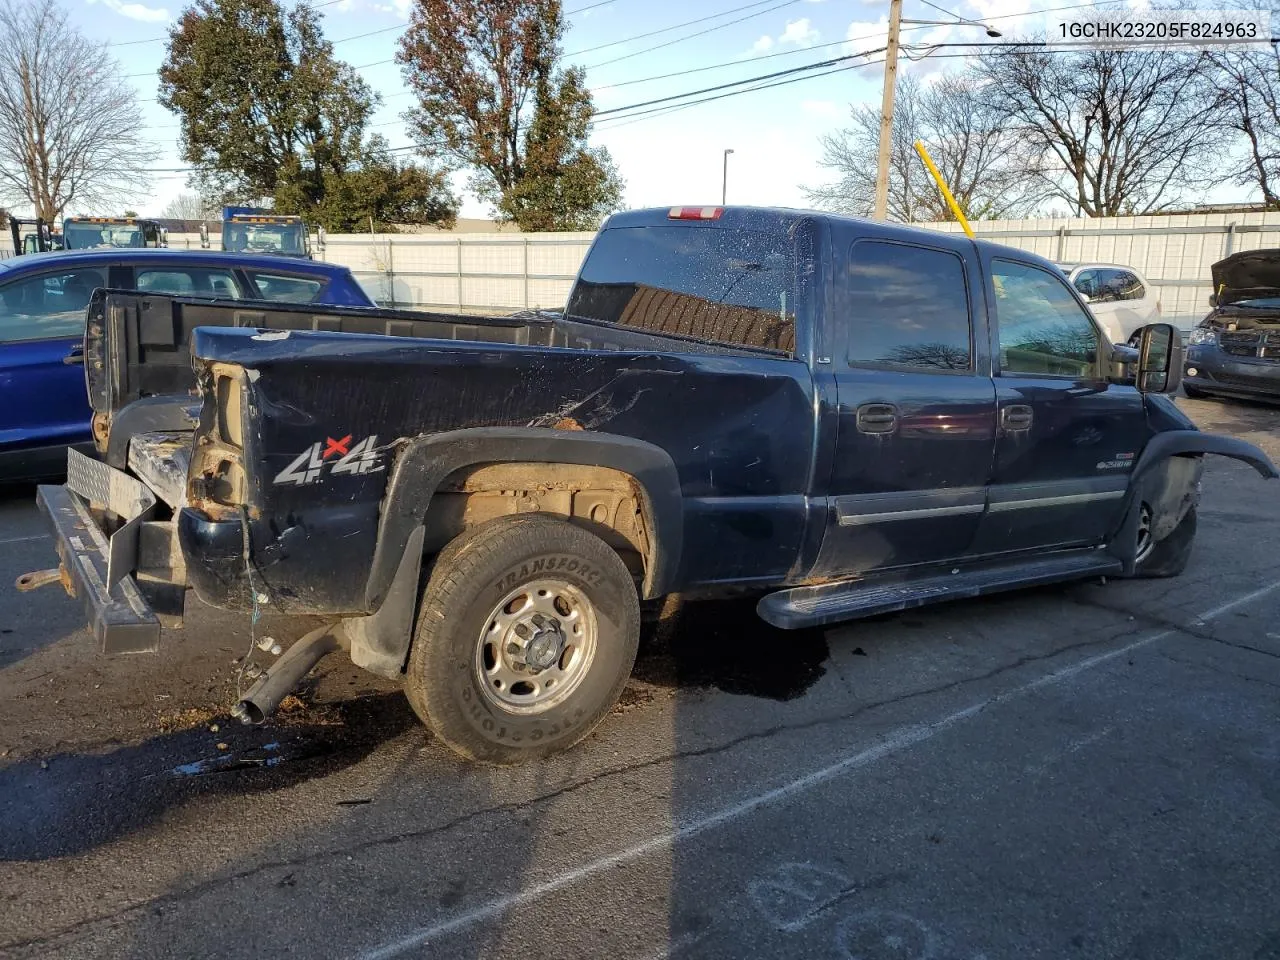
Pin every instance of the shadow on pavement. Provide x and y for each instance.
(725, 645)
(70, 803)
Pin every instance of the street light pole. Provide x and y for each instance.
(881, 208)
(724, 180)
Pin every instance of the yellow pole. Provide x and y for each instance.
(942, 186)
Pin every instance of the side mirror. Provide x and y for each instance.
(1160, 358)
(1213, 299)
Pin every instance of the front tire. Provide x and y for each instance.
(1167, 557)
(527, 634)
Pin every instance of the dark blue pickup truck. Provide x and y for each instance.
(842, 417)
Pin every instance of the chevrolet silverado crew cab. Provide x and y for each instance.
(842, 417)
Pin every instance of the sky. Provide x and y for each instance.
(665, 158)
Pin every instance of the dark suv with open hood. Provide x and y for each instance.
(1235, 350)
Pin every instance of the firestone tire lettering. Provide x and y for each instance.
(469, 577)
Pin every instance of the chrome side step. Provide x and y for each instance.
(852, 599)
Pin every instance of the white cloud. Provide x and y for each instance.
(136, 11)
(826, 109)
(799, 32)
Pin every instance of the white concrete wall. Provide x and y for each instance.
(484, 272)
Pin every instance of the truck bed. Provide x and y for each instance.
(147, 336)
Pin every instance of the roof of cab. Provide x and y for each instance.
(110, 255)
(763, 218)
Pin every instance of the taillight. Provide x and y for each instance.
(695, 213)
(216, 481)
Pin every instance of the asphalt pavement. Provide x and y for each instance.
(1085, 771)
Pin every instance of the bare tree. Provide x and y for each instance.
(68, 121)
(190, 206)
(1115, 131)
(1248, 86)
(967, 139)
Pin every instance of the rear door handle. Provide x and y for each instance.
(1016, 416)
(877, 418)
(76, 356)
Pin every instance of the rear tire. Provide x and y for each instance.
(1168, 557)
(527, 634)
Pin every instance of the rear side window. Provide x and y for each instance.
(1101, 285)
(187, 282)
(47, 306)
(285, 289)
(730, 286)
(906, 306)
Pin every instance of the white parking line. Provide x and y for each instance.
(38, 536)
(896, 742)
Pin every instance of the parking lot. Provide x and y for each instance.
(1081, 771)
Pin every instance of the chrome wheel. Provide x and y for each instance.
(537, 645)
(1146, 543)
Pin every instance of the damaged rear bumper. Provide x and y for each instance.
(99, 521)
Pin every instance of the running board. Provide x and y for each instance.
(827, 603)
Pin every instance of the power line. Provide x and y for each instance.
(590, 6)
(371, 33)
(737, 83)
(818, 46)
(677, 26)
(699, 33)
(949, 13)
(734, 93)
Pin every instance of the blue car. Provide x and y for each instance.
(43, 405)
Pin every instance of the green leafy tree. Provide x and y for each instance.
(492, 99)
(267, 111)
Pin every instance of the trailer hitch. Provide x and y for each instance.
(42, 578)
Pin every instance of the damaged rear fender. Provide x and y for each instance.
(423, 463)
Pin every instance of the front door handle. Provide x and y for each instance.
(877, 418)
(75, 357)
(1016, 416)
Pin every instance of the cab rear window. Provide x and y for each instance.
(285, 288)
(730, 286)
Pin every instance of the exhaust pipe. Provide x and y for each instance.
(285, 674)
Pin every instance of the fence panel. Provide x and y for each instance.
(498, 272)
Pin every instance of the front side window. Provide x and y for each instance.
(1043, 329)
(906, 306)
(47, 306)
(285, 289)
(730, 286)
(188, 282)
(1089, 283)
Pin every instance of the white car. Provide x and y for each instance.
(1120, 297)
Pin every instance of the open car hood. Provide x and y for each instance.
(1247, 274)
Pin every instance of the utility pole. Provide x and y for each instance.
(724, 180)
(880, 211)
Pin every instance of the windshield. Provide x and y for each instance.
(86, 236)
(264, 237)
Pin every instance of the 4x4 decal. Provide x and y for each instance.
(310, 465)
